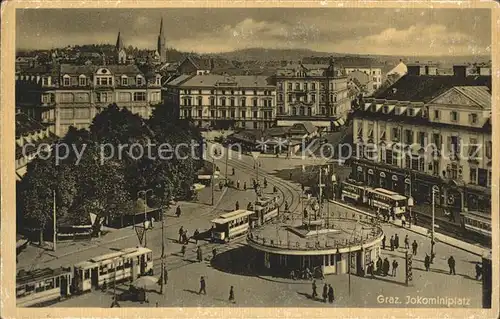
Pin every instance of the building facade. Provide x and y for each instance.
(71, 95)
(311, 92)
(427, 131)
(223, 101)
(374, 73)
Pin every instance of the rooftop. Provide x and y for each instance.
(24, 277)
(211, 80)
(424, 88)
(90, 69)
(26, 125)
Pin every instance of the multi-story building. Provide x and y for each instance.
(317, 93)
(71, 95)
(374, 72)
(427, 131)
(223, 101)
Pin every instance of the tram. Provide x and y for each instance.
(265, 209)
(42, 286)
(230, 225)
(124, 264)
(354, 191)
(477, 222)
(386, 200)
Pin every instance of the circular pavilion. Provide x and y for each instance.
(333, 244)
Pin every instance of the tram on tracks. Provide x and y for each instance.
(265, 210)
(124, 264)
(41, 286)
(476, 222)
(230, 225)
(354, 191)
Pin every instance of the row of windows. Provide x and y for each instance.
(101, 81)
(188, 101)
(306, 98)
(473, 118)
(230, 114)
(224, 92)
(101, 97)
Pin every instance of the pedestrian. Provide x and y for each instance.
(407, 242)
(185, 238)
(394, 267)
(427, 262)
(314, 293)
(415, 220)
(391, 241)
(196, 234)
(396, 241)
(393, 214)
(238, 184)
(152, 222)
(181, 232)
(451, 264)
(233, 171)
(479, 271)
(414, 246)
(199, 254)
(202, 286)
(231, 294)
(237, 205)
(178, 211)
(379, 266)
(165, 275)
(104, 285)
(245, 185)
(331, 297)
(325, 292)
(214, 253)
(275, 190)
(156, 304)
(386, 266)
(183, 250)
(221, 184)
(383, 242)
(265, 182)
(290, 175)
(403, 221)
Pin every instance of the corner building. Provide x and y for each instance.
(415, 113)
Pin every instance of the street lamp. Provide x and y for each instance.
(435, 190)
(145, 192)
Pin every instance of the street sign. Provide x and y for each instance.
(140, 233)
(435, 189)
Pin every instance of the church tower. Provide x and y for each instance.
(121, 55)
(161, 44)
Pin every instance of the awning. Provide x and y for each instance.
(390, 108)
(367, 105)
(402, 109)
(379, 106)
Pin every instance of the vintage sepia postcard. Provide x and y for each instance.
(249, 159)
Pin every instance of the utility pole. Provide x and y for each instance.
(162, 277)
(320, 191)
(212, 179)
(434, 190)
(349, 270)
(54, 220)
(227, 156)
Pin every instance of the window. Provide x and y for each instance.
(297, 86)
(313, 98)
(45, 81)
(124, 97)
(66, 80)
(82, 81)
(200, 101)
(421, 138)
(243, 114)
(473, 175)
(482, 177)
(212, 101)
(124, 80)
(290, 98)
(436, 114)
(454, 171)
(289, 86)
(408, 137)
(140, 96)
(231, 101)
(473, 148)
(254, 101)
(82, 97)
(473, 118)
(488, 149)
(66, 114)
(254, 92)
(313, 86)
(67, 97)
(82, 113)
(140, 80)
(454, 116)
(223, 101)
(280, 97)
(212, 91)
(233, 114)
(305, 86)
(223, 114)
(436, 140)
(255, 114)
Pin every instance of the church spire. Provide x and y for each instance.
(161, 44)
(119, 42)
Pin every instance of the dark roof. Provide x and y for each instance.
(24, 277)
(200, 63)
(427, 87)
(88, 69)
(26, 125)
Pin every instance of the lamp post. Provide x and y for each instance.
(145, 192)
(162, 254)
(54, 221)
(435, 190)
(212, 179)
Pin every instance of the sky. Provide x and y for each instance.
(430, 32)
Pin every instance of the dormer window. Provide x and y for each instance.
(45, 81)
(140, 80)
(411, 112)
(82, 80)
(124, 80)
(66, 80)
(158, 80)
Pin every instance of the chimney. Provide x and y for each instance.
(460, 70)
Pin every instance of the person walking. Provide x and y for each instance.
(238, 184)
(396, 241)
(451, 264)
(231, 294)
(403, 221)
(196, 234)
(178, 211)
(165, 275)
(391, 241)
(379, 266)
(199, 254)
(414, 246)
(314, 293)
(185, 238)
(183, 250)
(233, 172)
(214, 253)
(331, 296)
(427, 262)
(237, 205)
(383, 242)
(407, 242)
(386, 266)
(325, 292)
(202, 286)
(245, 185)
(394, 267)
(181, 232)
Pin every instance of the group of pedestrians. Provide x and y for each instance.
(383, 267)
(327, 292)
